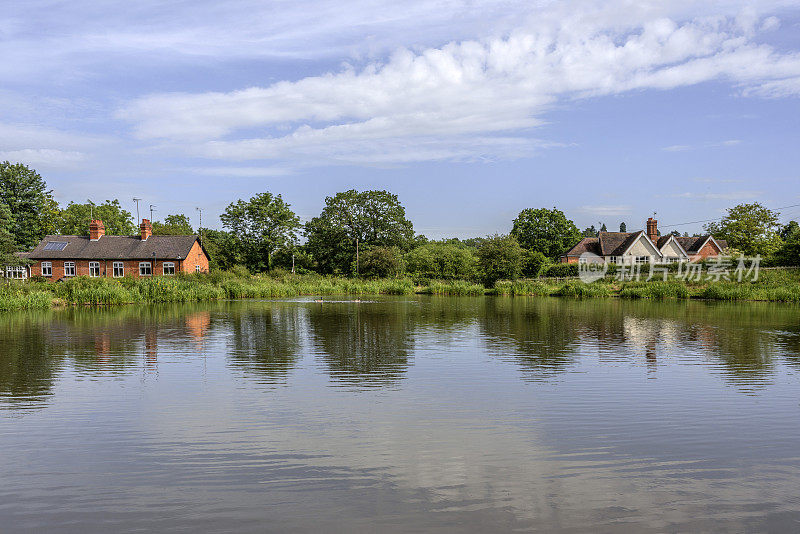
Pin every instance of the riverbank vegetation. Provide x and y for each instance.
(772, 285)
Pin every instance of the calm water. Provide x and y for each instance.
(402, 414)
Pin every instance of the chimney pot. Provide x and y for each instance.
(146, 229)
(96, 230)
(652, 229)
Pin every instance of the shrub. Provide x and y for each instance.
(500, 257)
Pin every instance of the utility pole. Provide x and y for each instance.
(151, 213)
(200, 228)
(137, 209)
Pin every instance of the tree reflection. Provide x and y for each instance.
(28, 367)
(266, 338)
(366, 344)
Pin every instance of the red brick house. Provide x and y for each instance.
(100, 255)
(643, 247)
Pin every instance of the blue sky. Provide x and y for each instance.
(469, 110)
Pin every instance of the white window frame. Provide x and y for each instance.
(47, 268)
(164, 266)
(118, 267)
(145, 265)
(70, 266)
(642, 259)
(197, 268)
(17, 272)
(94, 265)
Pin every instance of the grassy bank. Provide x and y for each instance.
(783, 286)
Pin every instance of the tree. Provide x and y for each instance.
(442, 261)
(603, 228)
(259, 227)
(75, 218)
(750, 228)
(7, 244)
(789, 253)
(534, 262)
(221, 249)
(380, 262)
(500, 258)
(546, 231)
(33, 210)
(623, 227)
(177, 224)
(352, 219)
(590, 232)
(789, 230)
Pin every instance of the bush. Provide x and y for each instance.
(535, 263)
(561, 270)
(380, 262)
(500, 258)
(441, 261)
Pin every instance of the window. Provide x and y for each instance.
(580, 260)
(642, 259)
(94, 269)
(69, 268)
(119, 269)
(17, 273)
(145, 268)
(47, 268)
(197, 268)
(169, 268)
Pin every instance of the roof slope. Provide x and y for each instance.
(114, 247)
(616, 243)
(587, 244)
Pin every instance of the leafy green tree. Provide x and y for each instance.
(789, 230)
(380, 262)
(221, 249)
(534, 263)
(500, 258)
(789, 253)
(546, 231)
(352, 218)
(33, 209)
(750, 228)
(259, 227)
(623, 227)
(590, 232)
(177, 224)
(75, 218)
(442, 261)
(7, 244)
(603, 228)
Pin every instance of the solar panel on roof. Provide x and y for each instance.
(55, 245)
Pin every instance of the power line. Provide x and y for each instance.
(718, 218)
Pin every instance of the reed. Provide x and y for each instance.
(453, 287)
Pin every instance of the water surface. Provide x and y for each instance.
(412, 414)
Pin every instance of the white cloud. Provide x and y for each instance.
(43, 157)
(241, 172)
(684, 148)
(607, 210)
(468, 99)
(730, 195)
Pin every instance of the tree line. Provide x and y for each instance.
(357, 233)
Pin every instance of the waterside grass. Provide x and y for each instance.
(773, 285)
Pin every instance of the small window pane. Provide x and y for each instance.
(119, 269)
(145, 269)
(47, 268)
(169, 268)
(94, 269)
(69, 268)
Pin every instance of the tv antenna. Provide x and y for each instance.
(151, 212)
(135, 199)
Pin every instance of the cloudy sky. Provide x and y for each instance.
(469, 110)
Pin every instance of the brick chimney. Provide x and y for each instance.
(652, 229)
(146, 229)
(96, 230)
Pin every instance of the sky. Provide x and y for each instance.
(469, 111)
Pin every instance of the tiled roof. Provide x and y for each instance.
(113, 247)
(692, 245)
(615, 243)
(587, 244)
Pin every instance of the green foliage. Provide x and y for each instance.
(177, 224)
(654, 290)
(221, 249)
(534, 263)
(500, 257)
(623, 227)
(577, 289)
(259, 227)
(75, 218)
(751, 228)
(561, 270)
(545, 231)
(442, 261)
(7, 244)
(380, 262)
(369, 218)
(789, 253)
(454, 288)
(33, 209)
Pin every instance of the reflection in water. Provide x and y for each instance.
(368, 344)
(265, 340)
(459, 414)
